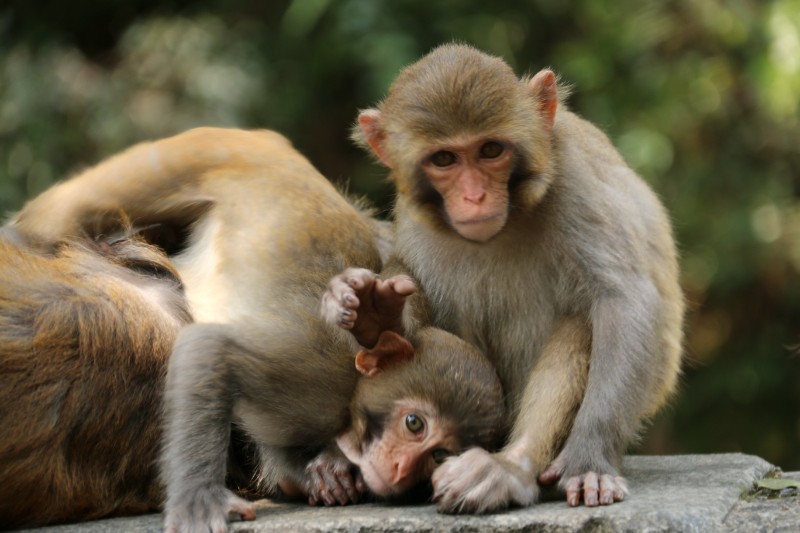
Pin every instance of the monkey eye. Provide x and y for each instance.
(443, 158)
(491, 149)
(440, 455)
(414, 423)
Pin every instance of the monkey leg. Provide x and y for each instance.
(198, 409)
(480, 482)
(152, 182)
(360, 301)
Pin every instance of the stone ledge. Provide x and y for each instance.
(689, 493)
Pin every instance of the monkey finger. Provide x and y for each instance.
(573, 489)
(591, 487)
(403, 285)
(607, 488)
(361, 486)
(348, 484)
(620, 488)
(334, 487)
(319, 488)
(359, 278)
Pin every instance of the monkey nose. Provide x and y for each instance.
(403, 470)
(475, 198)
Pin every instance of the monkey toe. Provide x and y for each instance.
(594, 489)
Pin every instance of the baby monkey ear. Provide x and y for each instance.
(391, 349)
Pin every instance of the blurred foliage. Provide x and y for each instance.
(701, 96)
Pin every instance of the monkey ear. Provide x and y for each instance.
(371, 128)
(545, 90)
(391, 349)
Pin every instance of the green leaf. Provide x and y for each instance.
(777, 484)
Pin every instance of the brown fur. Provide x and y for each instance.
(81, 330)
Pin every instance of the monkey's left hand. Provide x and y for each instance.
(480, 482)
(360, 301)
(330, 480)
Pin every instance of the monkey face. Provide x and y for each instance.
(413, 442)
(472, 175)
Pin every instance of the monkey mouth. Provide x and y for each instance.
(480, 229)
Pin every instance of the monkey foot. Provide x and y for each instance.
(479, 482)
(592, 488)
(206, 511)
(359, 301)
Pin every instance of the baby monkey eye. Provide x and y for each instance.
(414, 423)
(491, 149)
(443, 158)
(440, 455)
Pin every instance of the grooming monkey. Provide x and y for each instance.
(85, 334)
(265, 234)
(512, 215)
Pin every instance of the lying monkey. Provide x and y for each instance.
(85, 333)
(265, 233)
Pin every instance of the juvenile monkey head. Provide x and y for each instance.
(436, 399)
(465, 139)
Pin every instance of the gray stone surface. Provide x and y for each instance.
(701, 493)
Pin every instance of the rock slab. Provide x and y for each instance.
(691, 493)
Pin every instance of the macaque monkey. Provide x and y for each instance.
(264, 234)
(85, 334)
(512, 215)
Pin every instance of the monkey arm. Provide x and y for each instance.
(621, 383)
(481, 482)
(198, 411)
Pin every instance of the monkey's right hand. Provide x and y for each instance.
(360, 301)
(479, 482)
(205, 510)
(331, 480)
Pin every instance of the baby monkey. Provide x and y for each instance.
(264, 232)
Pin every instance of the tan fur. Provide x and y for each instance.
(264, 233)
(583, 237)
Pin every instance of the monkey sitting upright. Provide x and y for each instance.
(265, 233)
(513, 215)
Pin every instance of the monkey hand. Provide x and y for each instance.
(330, 480)
(479, 482)
(595, 485)
(205, 510)
(360, 301)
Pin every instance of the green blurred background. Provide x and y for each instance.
(701, 96)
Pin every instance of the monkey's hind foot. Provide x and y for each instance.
(359, 301)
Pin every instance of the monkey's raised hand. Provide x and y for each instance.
(206, 510)
(480, 482)
(586, 485)
(330, 479)
(360, 301)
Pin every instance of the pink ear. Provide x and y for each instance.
(370, 123)
(391, 349)
(545, 89)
